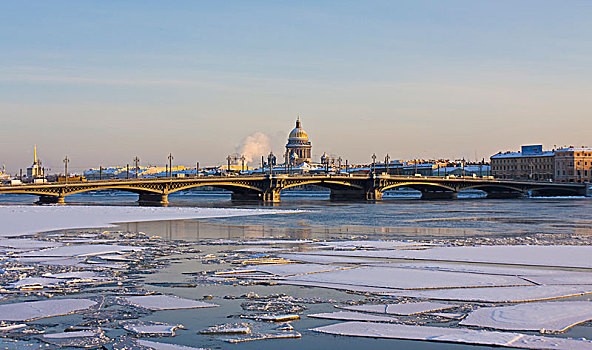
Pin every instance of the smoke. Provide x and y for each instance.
(255, 146)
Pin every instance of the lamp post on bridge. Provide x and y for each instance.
(339, 165)
(386, 163)
(242, 158)
(136, 161)
(196, 169)
(374, 164)
(171, 164)
(127, 171)
(66, 161)
(228, 159)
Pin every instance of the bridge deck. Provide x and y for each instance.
(266, 188)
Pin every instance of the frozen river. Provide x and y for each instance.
(433, 257)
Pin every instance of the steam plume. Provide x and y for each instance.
(255, 146)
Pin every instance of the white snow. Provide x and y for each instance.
(80, 250)
(453, 335)
(297, 269)
(25, 243)
(163, 346)
(499, 295)
(528, 255)
(323, 259)
(33, 310)
(22, 220)
(403, 309)
(397, 278)
(65, 335)
(354, 244)
(549, 316)
(165, 302)
(148, 328)
(353, 316)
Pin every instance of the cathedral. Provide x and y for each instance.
(298, 148)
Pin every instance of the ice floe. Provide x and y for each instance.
(81, 250)
(152, 328)
(128, 343)
(402, 309)
(297, 269)
(547, 316)
(397, 278)
(33, 310)
(498, 295)
(453, 335)
(165, 302)
(78, 339)
(527, 255)
(353, 316)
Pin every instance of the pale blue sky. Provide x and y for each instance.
(104, 81)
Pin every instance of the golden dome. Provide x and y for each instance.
(298, 134)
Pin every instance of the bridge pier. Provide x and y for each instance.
(153, 199)
(355, 195)
(504, 195)
(438, 195)
(47, 199)
(271, 196)
(246, 196)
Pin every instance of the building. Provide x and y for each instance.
(35, 171)
(531, 163)
(573, 164)
(298, 148)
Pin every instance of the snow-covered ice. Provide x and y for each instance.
(397, 278)
(297, 269)
(527, 255)
(22, 220)
(498, 294)
(152, 328)
(453, 335)
(165, 302)
(33, 310)
(549, 316)
(83, 250)
(403, 309)
(353, 316)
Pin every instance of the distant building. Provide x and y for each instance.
(531, 163)
(35, 171)
(298, 148)
(573, 164)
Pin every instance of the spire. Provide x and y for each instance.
(35, 154)
(298, 122)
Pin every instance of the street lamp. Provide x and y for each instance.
(339, 164)
(171, 164)
(374, 163)
(242, 158)
(137, 160)
(66, 161)
(386, 163)
(228, 159)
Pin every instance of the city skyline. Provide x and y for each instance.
(414, 80)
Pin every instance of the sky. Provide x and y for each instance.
(106, 81)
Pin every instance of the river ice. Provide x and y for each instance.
(548, 316)
(33, 310)
(453, 335)
(22, 220)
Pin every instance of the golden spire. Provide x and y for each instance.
(35, 154)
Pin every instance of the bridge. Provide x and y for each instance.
(266, 188)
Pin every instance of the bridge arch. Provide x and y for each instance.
(330, 184)
(421, 186)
